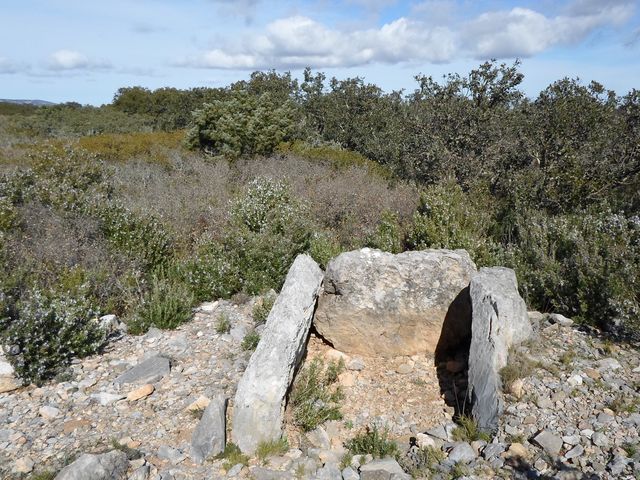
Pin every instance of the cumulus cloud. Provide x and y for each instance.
(74, 60)
(523, 32)
(299, 41)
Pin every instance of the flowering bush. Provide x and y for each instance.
(269, 229)
(49, 331)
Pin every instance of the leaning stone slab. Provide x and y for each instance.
(209, 437)
(108, 466)
(378, 303)
(499, 320)
(260, 397)
(149, 371)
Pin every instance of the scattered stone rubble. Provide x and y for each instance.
(152, 408)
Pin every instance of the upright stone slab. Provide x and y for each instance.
(209, 437)
(378, 303)
(499, 320)
(259, 401)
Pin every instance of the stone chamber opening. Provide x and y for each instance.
(406, 394)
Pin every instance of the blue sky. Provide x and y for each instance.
(79, 50)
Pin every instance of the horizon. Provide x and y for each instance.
(73, 51)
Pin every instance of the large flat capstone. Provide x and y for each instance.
(377, 303)
(499, 320)
(260, 397)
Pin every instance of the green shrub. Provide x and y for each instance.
(388, 234)
(50, 330)
(242, 124)
(585, 266)
(373, 441)
(212, 272)
(315, 398)
(323, 247)
(269, 229)
(449, 218)
(8, 215)
(144, 239)
(167, 305)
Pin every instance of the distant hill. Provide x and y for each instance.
(37, 103)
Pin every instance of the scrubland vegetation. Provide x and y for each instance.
(166, 198)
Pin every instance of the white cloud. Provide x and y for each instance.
(74, 60)
(523, 32)
(299, 41)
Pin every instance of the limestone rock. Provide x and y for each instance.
(9, 384)
(8, 380)
(549, 442)
(109, 466)
(377, 303)
(23, 465)
(260, 397)
(140, 392)
(48, 412)
(462, 452)
(499, 320)
(382, 468)
(209, 437)
(148, 371)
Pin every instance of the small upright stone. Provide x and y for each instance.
(209, 437)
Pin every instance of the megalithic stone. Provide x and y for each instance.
(260, 398)
(499, 320)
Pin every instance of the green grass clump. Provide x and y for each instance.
(46, 475)
(425, 461)
(468, 430)
(375, 442)
(518, 366)
(315, 398)
(233, 456)
(223, 325)
(262, 309)
(271, 448)
(250, 341)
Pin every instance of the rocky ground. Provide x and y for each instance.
(572, 410)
